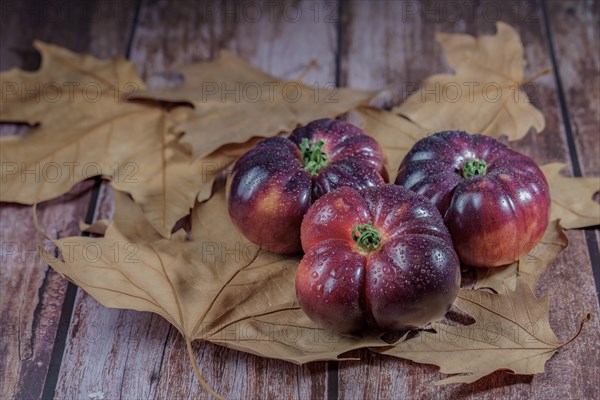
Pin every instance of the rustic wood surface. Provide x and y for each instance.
(580, 82)
(59, 342)
(32, 294)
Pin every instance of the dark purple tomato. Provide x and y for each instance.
(495, 201)
(378, 258)
(272, 186)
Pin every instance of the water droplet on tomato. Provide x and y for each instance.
(315, 275)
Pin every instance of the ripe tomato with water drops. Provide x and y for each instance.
(379, 258)
(495, 201)
(272, 186)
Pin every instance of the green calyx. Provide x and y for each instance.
(474, 168)
(313, 157)
(366, 237)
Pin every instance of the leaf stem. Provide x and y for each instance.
(312, 65)
(36, 224)
(584, 320)
(532, 78)
(197, 372)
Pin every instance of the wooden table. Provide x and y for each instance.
(59, 342)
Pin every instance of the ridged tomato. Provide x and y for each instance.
(495, 201)
(380, 258)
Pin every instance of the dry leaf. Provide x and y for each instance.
(394, 133)
(288, 334)
(483, 95)
(572, 198)
(80, 136)
(235, 101)
(530, 267)
(511, 332)
(502, 52)
(214, 285)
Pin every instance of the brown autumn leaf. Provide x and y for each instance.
(211, 284)
(484, 94)
(572, 198)
(394, 133)
(234, 101)
(530, 267)
(88, 128)
(511, 332)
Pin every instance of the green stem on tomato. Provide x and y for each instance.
(314, 158)
(366, 237)
(474, 168)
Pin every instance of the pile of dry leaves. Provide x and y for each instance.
(163, 150)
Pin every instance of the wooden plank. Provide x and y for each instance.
(32, 294)
(100, 28)
(575, 29)
(405, 52)
(139, 355)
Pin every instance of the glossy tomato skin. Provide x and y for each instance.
(270, 190)
(494, 218)
(411, 279)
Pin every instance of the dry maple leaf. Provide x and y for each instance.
(483, 95)
(572, 198)
(394, 133)
(87, 128)
(235, 101)
(511, 332)
(211, 284)
(530, 267)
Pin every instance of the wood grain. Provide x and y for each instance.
(575, 30)
(31, 293)
(139, 355)
(575, 27)
(410, 54)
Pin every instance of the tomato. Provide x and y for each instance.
(495, 201)
(272, 186)
(378, 258)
